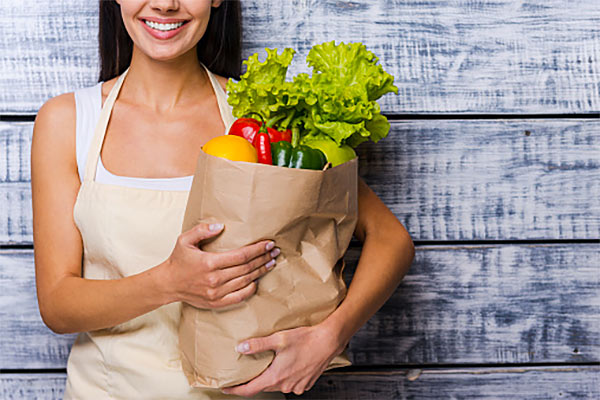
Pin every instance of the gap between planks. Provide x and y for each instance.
(407, 369)
(403, 117)
(423, 243)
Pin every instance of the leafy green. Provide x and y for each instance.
(263, 88)
(337, 101)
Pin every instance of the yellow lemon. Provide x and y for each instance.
(231, 147)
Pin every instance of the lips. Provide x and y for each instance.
(163, 28)
(164, 20)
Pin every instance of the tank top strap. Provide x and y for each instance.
(224, 107)
(96, 145)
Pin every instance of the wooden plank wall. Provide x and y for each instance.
(493, 164)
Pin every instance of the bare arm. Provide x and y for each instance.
(70, 303)
(385, 259)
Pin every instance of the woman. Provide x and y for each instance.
(109, 191)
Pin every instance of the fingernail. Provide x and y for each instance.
(226, 391)
(275, 252)
(215, 227)
(270, 246)
(242, 347)
(270, 264)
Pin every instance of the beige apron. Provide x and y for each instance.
(125, 231)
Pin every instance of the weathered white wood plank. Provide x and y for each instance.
(488, 304)
(540, 383)
(446, 180)
(15, 186)
(26, 342)
(30, 386)
(490, 56)
(456, 56)
(47, 47)
(463, 180)
(458, 305)
(533, 383)
(16, 213)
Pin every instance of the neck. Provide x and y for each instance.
(164, 85)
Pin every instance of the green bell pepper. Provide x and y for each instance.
(284, 155)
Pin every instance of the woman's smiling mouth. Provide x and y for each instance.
(163, 28)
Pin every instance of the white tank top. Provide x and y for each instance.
(88, 104)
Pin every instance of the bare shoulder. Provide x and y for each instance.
(53, 142)
(55, 121)
(57, 107)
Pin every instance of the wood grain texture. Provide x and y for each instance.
(24, 339)
(458, 305)
(456, 56)
(29, 386)
(445, 180)
(15, 183)
(541, 383)
(488, 304)
(475, 383)
(491, 56)
(490, 180)
(47, 48)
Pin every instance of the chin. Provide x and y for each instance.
(164, 54)
(162, 57)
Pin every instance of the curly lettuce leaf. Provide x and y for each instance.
(348, 65)
(346, 83)
(263, 88)
(375, 130)
(337, 101)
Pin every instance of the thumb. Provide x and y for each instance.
(201, 232)
(258, 345)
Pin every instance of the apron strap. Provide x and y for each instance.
(98, 138)
(224, 107)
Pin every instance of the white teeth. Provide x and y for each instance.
(163, 27)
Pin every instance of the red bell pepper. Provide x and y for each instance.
(246, 128)
(262, 143)
(249, 127)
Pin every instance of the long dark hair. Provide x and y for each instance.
(220, 49)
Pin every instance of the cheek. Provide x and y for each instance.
(202, 15)
(129, 9)
(196, 7)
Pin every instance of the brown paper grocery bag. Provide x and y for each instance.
(311, 215)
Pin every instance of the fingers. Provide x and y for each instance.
(227, 286)
(263, 264)
(199, 233)
(302, 386)
(235, 297)
(245, 254)
(258, 345)
(242, 281)
(229, 280)
(222, 279)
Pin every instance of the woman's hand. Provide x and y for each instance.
(301, 356)
(214, 280)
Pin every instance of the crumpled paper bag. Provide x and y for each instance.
(311, 216)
